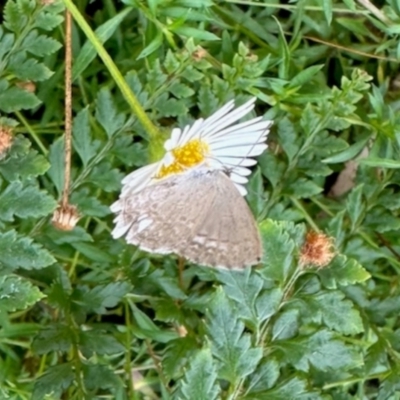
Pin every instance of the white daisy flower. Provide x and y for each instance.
(215, 142)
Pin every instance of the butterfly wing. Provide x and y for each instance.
(160, 218)
(227, 236)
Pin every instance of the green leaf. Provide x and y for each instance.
(56, 158)
(14, 18)
(335, 312)
(102, 297)
(107, 114)
(244, 288)
(17, 293)
(101, 377)
(24, 202)
(305, 76)
(54, 337)
(103, 33)
(28, 68)
(105, 177)
(355, 206)
(343, 271)
(230, 345)
(15, 99)
(303, 188)
(278, 250)
(286, 325)
(195, 33)
(89, 205)
(199, 381)
(348, 154)
(288, 138)
(294, 388)
(255, 195)
(272, 168)
(94, 342)
(83, 144)
(265, 376)
(21, 252)
(22, 162)
(54, 381)
(152, 46)
(321, 351)
(327, 7)
(380, 162)
(40, 45)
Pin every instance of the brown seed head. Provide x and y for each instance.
(6, 139)
(65, 217)
(317, 250)
(199, 54)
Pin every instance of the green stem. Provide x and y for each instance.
(150, 128)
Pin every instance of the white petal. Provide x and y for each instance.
(242, 189)
(252, 127)
(191, 132)
(217, 125)
(173, 140)
(237, 178)
(231, 162)
(246, 151)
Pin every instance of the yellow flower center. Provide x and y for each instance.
(190, 154)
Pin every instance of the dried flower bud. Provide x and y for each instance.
(199, 54)
(65, 217)
(27, 86)
(6, 140)
(182, 331)
(317, 250)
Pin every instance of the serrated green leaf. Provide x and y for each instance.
(199, 381)
(14, 18)
(15, 99)
(54, 381)
(343, 271)
(272, 168)
(40, 45)
(107, 114)
(49, 20)
(347, 154)
(288, 138)
(24, 202)
(54, 337)
(102, 297)
(22, 162)
(17, 293)
(21, 252)
(278, 250)
(303, 188)
(286, 325)
(94, 342)
(321, 351)
(255, 193)
(105, 177)
(230, 345)
(265, 376)
(83, 143)
(97, 376)
(89, 205)
(305, 76)
(56, 158)
(335, 312)
(28, 68)
(355, 206)
(244, 288)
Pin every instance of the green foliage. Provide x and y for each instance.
(85, 316)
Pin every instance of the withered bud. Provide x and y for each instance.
(317, 250)
(6, 140)
(65, 217)
(27, 86)
(199, 54)
(182, 331)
